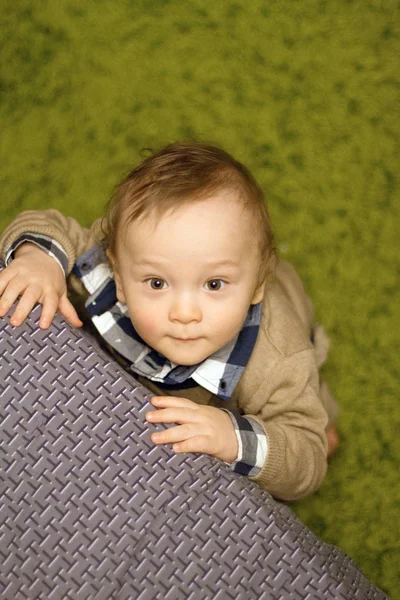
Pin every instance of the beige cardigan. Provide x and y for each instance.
(280, 386)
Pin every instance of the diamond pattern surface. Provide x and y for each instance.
(91, 510)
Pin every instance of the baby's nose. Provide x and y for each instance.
(185, 309)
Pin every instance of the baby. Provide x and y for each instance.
(182, 283)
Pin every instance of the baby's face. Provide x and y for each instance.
(188, 280)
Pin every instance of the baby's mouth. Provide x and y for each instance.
(185, 339)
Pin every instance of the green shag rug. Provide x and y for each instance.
(306, 94)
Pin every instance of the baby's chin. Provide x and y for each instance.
(185, 354)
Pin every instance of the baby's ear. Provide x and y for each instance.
(259, 293)
(117, 277)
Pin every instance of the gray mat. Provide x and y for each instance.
(90, 509)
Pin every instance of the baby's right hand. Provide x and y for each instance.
(35, 277)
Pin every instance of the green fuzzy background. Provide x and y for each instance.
(306, 94)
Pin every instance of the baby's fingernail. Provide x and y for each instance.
(14, 322)
(156, 437)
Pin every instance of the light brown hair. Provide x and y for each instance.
(185, 172)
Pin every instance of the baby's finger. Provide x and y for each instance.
(172, 402)
(171, 435)
(10, 294)
(198, 443)
(172, 415)
(5, 277)
(49, 309)
(67, 310)
(28, 300)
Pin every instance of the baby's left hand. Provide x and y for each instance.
(204, 429)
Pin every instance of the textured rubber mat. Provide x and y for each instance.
(90, 509)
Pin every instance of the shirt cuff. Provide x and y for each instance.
(252, 443)
(50, 246)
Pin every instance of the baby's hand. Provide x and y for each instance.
(34, 276)
(204, 429)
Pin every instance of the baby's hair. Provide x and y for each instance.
(181, 173)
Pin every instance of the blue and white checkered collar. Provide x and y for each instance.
(219, 373)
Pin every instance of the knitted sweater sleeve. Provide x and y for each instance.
(287, 406)
(66, 231)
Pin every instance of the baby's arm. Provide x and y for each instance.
(279, 440)
(39, 249)
(288, 408)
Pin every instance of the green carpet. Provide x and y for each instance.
(305, 93)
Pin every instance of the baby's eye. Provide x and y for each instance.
(156, 283)
(215, 285)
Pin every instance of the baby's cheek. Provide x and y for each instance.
(146, 324)
(229, 318)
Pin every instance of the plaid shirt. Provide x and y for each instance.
(219, 373)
